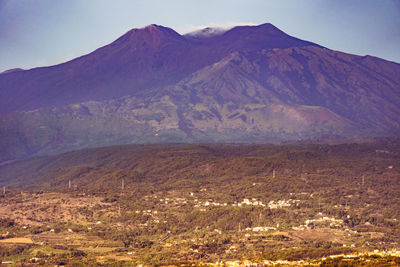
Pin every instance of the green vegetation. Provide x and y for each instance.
(184, 204)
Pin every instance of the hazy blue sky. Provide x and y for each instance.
(45, 32)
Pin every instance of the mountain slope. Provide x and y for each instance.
(310, 76)
(141, 59)
(153, 85)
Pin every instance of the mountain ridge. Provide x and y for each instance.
(153, 85)
(135, 61)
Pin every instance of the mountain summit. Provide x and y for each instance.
(152, 36)
(154, 56)
(151, 85)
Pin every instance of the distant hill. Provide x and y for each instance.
(153, 85)
(174, 166)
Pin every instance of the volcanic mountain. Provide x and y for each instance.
(247, 84)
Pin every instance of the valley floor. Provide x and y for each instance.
(261, 205)
(73, 227)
